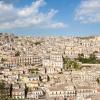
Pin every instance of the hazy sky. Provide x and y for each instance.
(50, 17)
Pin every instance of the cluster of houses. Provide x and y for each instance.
(33, 67)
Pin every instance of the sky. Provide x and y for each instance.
(50, 17)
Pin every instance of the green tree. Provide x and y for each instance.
(48, 78)
(4, 91)
(40, 79)
(70, 64)
(26, 90)
(37, 43)
(98, 80)
(3, 60)
(81, 57)
(76, 65)
(92, 59)
(17, 53)
(11, 87)
(45, 70)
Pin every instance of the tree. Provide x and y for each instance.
(66, 63)
(17, 53)
(3, 60)
(98, 80)
(76, 65)
(45, 70)
(81, 57)
(40, 79)
(95, 52)
(65, 59)
(92, 58)
(4, 91)
(37, 43)
(26, 91)
(70, 64)
(11, 87)
(48, 78)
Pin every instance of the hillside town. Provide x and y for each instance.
(49, 67)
